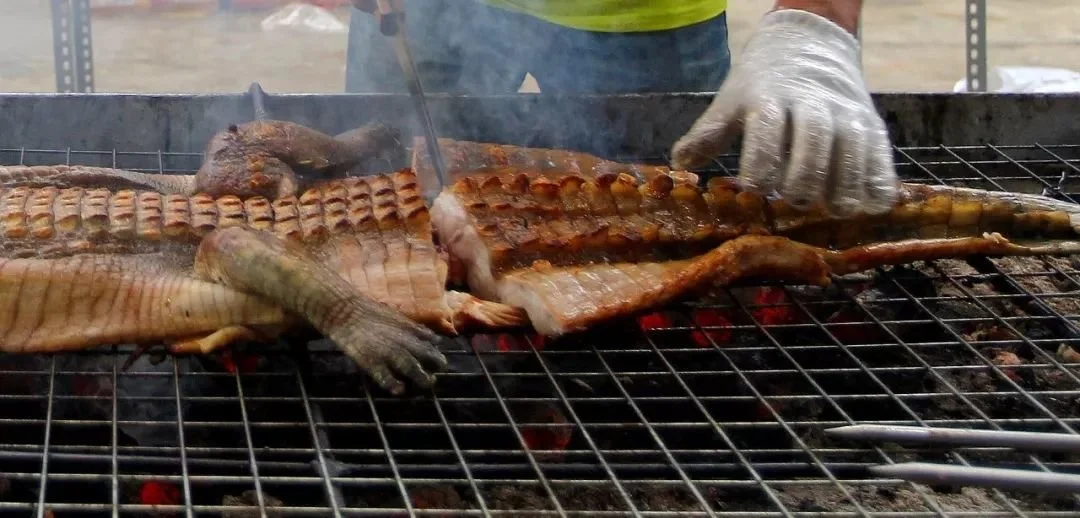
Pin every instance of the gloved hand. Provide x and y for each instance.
(798, 86)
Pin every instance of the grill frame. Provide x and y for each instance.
(401, 475)
(838, 466)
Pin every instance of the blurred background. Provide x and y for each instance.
(195, 46)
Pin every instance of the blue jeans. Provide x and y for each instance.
(466, 47)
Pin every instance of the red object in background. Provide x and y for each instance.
(858, 331)
(707, 317)
(651, 321)
(156, 492)
(773, 315)
(244, 363)
(555, 435)
(507, 342)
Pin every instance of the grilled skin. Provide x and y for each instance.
(354, 258)
(465, 158)
(272, 159)
(269, 158)
(576, 250)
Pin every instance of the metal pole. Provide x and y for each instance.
(72, 49)
(975, 44)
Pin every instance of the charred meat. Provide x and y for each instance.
(272, 159)
(269, 158)
(575, 250)
(354, 258)
(465, 158)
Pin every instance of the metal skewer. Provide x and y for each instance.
(944, 474)
(1031, 441)
(392, 24)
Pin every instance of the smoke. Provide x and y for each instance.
(473, 49)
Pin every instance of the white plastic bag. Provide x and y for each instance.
(1028, 80)
(304, 17)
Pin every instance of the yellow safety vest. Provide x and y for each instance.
(618, 15)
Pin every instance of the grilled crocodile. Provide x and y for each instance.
(354, 258)
(465, 158)
(272, 159)
(576, 250)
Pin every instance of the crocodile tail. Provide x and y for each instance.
(64, 176)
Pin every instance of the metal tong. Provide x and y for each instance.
(390, 15)
(946, 474)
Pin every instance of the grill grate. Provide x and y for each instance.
(711, 408)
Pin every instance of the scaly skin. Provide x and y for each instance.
(573, 219)
(574, 250)
(273, 159)
(464, 158)
(354, 258)
(381, 341)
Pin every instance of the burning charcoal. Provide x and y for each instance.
(664, 329)
(1068, 354)
(436, 497)
(248, 503)
(774, 308)
(1004, 359)
(156, 493)
(143, 379)
(545, 427)
(991, 333)
(716, 327)
(489, 345)
(239, 362)
(506, 342)
(655, 320)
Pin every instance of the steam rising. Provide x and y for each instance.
(504, 48)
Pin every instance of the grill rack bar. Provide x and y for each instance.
(842, 477)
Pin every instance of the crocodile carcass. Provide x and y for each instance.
(261, 158)
(353, 257)
(577, 250)
(467, 158)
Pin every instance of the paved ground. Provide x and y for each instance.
(910, 45)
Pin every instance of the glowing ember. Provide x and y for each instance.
(156, 492)
(773, 314)
(508, 343)
(657, 320)
(553, 432)
(710, 318)
(238, 362)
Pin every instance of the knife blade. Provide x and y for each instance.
(394, 27)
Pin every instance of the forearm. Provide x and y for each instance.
(844, 12)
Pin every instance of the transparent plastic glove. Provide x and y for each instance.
(810, 129)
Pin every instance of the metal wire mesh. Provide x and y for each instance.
(710, 408)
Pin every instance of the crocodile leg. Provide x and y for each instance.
(861, 258)
(214, 341)
(380, 339)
